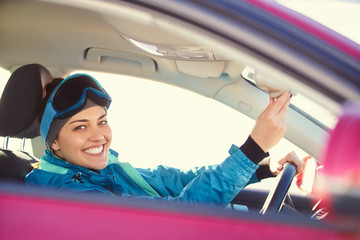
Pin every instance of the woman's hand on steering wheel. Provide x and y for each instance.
(277, 166)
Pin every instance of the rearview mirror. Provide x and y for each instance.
(265, 83)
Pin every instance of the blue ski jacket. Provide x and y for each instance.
(215, 185)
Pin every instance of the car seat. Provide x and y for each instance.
(19, 105)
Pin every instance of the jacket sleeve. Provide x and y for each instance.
(216, 185)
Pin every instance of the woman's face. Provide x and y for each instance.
(85, 139)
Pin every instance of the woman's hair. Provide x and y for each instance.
(49, 88)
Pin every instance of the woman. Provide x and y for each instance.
(78, 158)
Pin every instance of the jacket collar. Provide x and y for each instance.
(52, 163)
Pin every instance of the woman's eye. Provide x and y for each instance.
(103, 122)
(82, 127)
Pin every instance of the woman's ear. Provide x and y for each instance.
(55, 145)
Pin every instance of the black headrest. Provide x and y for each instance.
(20, 101)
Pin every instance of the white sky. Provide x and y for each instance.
(342, 16)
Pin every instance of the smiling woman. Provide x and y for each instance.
(78, 158)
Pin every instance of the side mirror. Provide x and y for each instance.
(306, 179)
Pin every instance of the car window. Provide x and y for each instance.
(154, 124)
(158, 124)
(4, 76)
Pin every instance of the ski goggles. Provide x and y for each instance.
(69, 97)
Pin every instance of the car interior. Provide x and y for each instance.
(121, 44)
(23, 123)
(41, 40)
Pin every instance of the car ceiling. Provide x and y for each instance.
(64, 38)
(73, 35)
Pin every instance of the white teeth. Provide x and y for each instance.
(95, 150)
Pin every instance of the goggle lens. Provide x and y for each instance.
(70, 93)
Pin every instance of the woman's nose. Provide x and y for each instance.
(97, 134)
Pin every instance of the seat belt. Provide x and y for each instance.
(138, 179)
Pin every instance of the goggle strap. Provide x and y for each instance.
(46, 121)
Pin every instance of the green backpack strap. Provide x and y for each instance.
(137, 178)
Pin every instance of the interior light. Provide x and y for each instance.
(150, 48)
(176, 52)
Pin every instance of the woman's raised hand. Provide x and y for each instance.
(270, 125)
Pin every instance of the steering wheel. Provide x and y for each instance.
(277, 195)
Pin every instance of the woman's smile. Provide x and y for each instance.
(95, 150)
